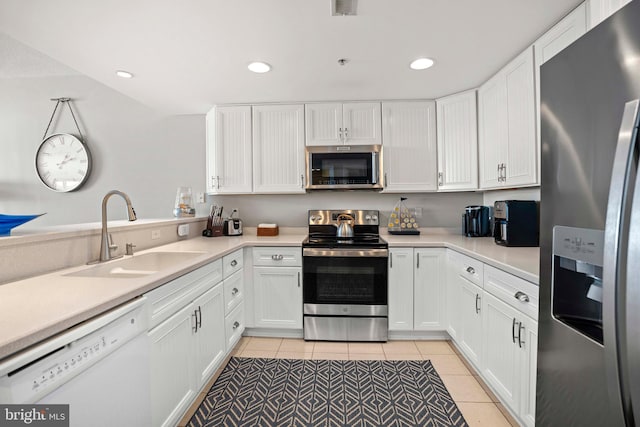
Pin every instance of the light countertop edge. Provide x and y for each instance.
(30, 312)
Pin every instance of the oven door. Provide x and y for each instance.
(345, 282)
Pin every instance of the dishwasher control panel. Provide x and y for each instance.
(30, 382)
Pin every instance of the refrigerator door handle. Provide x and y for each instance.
(615, 229)
(633, 302)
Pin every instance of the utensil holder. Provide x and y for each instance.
(214, 231)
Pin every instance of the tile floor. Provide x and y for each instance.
(476, 402)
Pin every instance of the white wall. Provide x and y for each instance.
(531, 193)
(134, 149)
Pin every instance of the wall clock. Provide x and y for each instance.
(63, 161)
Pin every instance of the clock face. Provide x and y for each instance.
(63, 162)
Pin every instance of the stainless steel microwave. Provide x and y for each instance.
(344, 167)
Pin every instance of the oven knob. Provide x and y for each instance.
(312, 219)
(367, 218)
(374, 218)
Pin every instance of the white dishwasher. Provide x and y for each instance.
(99, 368)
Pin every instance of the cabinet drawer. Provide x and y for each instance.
(172, 296)
(467, 267)
(234, 326)
(277, 256)
(232, 263)
(516, 292)
(233, 291)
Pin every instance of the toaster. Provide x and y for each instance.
(232, 227)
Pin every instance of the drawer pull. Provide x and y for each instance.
(234, 291)
(477, 305)
(520, 340)
(234, 263)
(236, 325)
(471, 270)
(521, 296)
(513, 330)
(277, 257)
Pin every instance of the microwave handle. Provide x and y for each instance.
(374, 168)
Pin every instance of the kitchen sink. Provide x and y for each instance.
(137, 265)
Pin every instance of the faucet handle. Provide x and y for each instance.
(129, 248)
(110, 242)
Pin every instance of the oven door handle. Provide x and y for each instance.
(316, 252)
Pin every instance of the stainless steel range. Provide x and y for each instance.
(345, 285)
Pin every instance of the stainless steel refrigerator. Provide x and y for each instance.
(589, 322)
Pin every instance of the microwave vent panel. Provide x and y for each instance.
(343, 7)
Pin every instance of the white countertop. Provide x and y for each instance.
(40, 307)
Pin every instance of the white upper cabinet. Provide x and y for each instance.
(409, 157)
(356, 123)
(599, 10)
(229, 150)
(278, 149)
(561, 35)
(507, 145)
(457, 142)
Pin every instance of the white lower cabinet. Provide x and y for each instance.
(400, 289)
(173, 382)
(417, 289)
(470, 326)
(189, 339)
(429, 282)
(277, 287)
(510, 341)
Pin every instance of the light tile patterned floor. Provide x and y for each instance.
(476, 402)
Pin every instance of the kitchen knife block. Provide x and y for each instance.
(214, 231)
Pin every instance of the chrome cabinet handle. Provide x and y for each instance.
(277, 257)
(521, 296)
(218, 182)
(199, 317)
(477, 301)
(390, 260)
(340, 132)
(417, 260)
(385, 180)
(499, 174)
(504, 172)
(513, 330)
(298, 279)
(234, 263)
(213, 181)
(301, 181)
(440, 179)
(471, 270)
(234, 291)
(195, 321)
(520, 340)
(235, 325)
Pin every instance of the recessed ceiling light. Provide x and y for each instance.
(421, 64)
(259, 67)
(124, 74)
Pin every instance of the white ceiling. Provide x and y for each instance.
(190, 55)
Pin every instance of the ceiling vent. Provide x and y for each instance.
(343, 7)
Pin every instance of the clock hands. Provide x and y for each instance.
(66, 159)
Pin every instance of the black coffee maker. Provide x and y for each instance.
(476, 221)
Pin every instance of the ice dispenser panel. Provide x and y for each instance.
(577, 279)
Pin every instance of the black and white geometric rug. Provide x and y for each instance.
(284, 392)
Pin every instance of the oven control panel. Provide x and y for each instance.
(334, 217)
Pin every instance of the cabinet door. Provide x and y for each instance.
(323, 124)
(173, 382)
(599, 10)
(278, 149)
(520, 164)
(229, 150)
(429, 290)
(209, 337)
(470, 332)
(500, 349)
(458, 142)
(409, 146)
(527, 371)
(278, 297)
(401, 289)
(492, 113)
(361, 123)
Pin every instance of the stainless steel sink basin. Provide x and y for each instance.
(137, 265)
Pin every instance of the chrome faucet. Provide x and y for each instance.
(106, 245)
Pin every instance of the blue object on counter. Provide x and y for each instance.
(7, 222)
